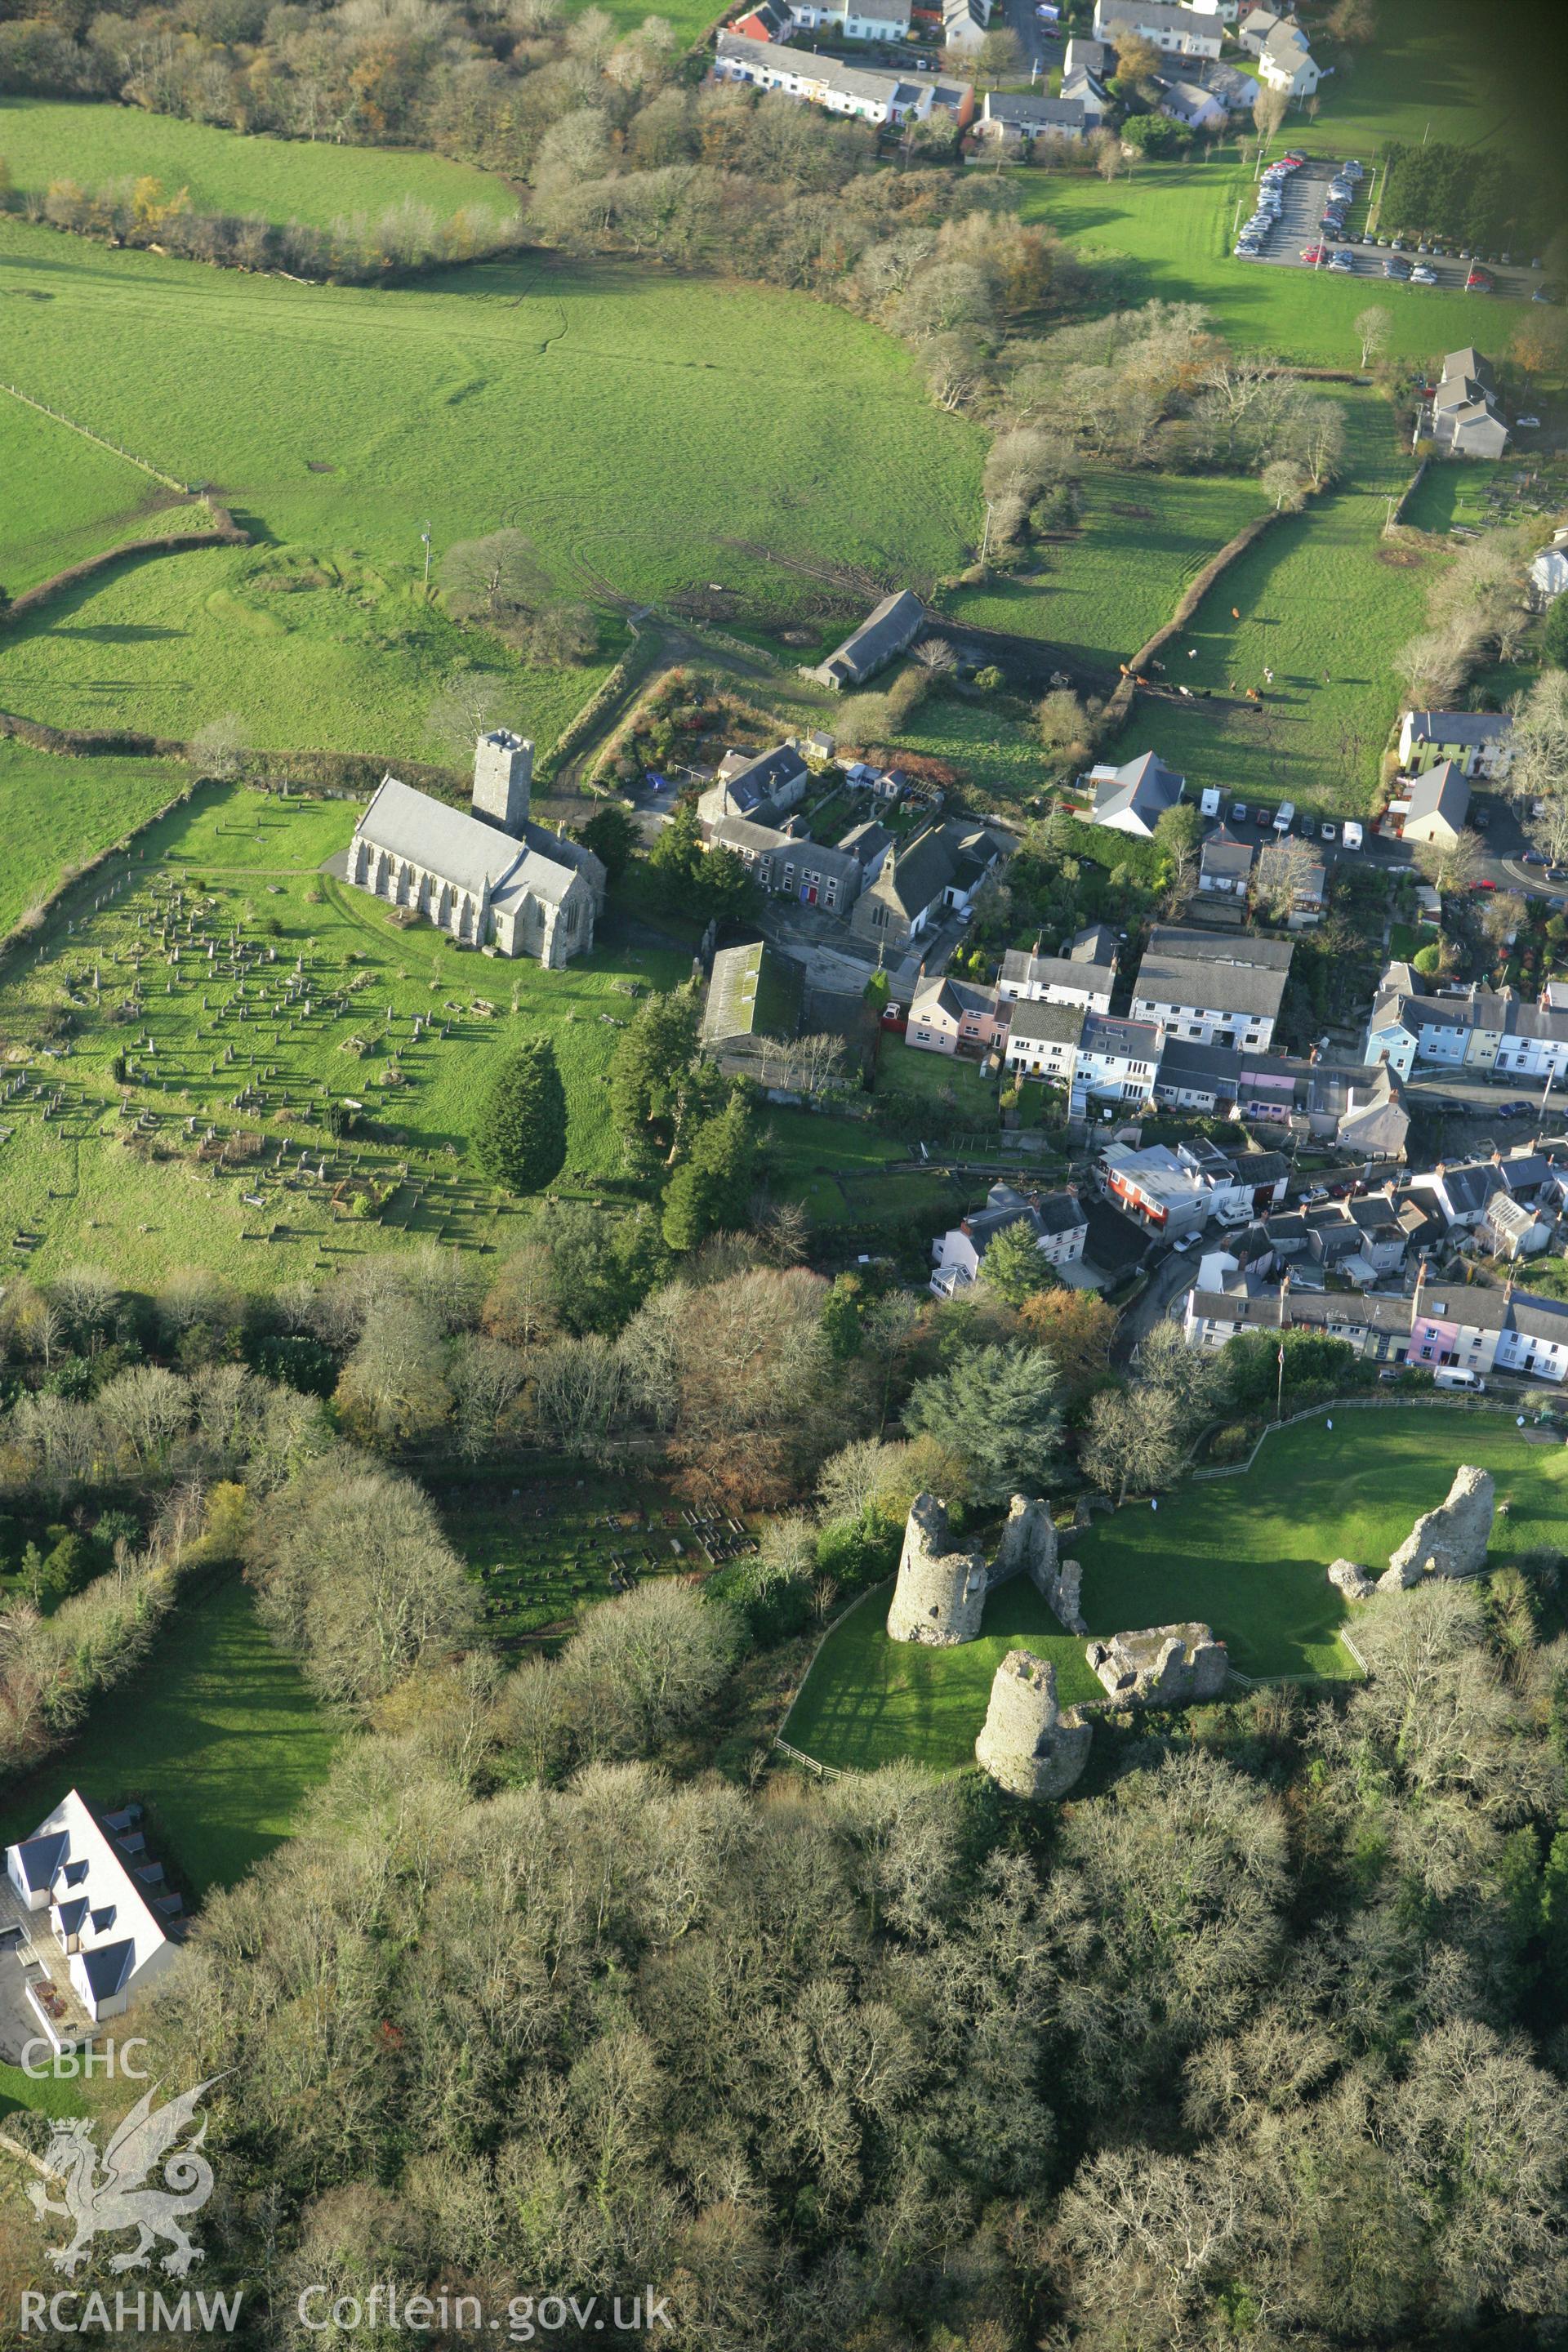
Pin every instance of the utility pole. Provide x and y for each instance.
(424, 535)
(986, 540)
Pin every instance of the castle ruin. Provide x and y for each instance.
(1028, 1746)
(1450, 1541)
(940, 1594)
(1165, 1666)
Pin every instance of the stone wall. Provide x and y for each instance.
(940, 1596)
(1027, 1745)
(1165, 1666)
(1452, 1539)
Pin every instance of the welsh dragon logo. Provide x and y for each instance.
(101, 2199)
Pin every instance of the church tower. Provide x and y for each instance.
(503, 772)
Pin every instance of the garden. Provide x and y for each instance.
(216, 1055)
(1247, 1555)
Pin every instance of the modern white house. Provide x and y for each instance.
(94, 1890)
(875, 94)
(492, 878)
(1132, 798)
(1463, 416)
(1180, 32)
(1286, 62)
(870, 20)
(1198, 109)
(1549, 572)
(1081, 975)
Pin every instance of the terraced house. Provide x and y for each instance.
(1212, 990)
(884, 96)
(1473, 1030)
(1443, 1326)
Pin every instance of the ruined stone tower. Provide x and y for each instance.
(504, 779)
(1028, 1547)
(939, 1597)
(1027, 1745)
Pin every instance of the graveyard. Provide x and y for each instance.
(545, 1548)
(214, 1053)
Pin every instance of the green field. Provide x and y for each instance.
(1142, 539)
(1316, 593)
(905, 1069)
(1166, 232)
(121, 1176)
(1247, 1556)
(57, 813)
(540, 393)
(216, 1734)
(271, 179)
(66, 498)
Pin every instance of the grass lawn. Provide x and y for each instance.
(273, 179)
(1406, 940)
(868, 1701)
(540, 393)
(132, 1189)
(905, 1069)
(1316, 593)
(218, 1735)
(55, 813)
(1247, 1555)
(1143, 538)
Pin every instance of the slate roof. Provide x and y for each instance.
(108, 1966)
(1231, 859)
(765, 774)
(1047, 1024)
(1184, 1063)
(445, 841)
(1025, 113)
(920, 872)
(40, 1858)
(887, 628)
(1151, 12)
(1202, 947)
(1469, 728)
(1216, 987)
(1145, 785)
(1096, 944)
(1133, 1041)
(1025, 971)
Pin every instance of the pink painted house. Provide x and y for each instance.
(958, 1016)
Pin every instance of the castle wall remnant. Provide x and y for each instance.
(939, 1597)
(1165, 1666)
(1452, 1539)
(1028, 1547)
(1027, 1745)
(1352, 1581)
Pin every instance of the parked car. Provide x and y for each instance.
(1527, 423)
(1480, 282)
(1484, 884)
(1239, 813)
(1314, 253)
(1532, 857)
(1344, 263)
(1422, 276)
(1353, 170)
(1396, 267)
(1327, 833)
(1544, 294)
(1390, 1373)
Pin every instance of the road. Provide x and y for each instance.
(1298, 229)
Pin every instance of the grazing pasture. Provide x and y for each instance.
(1319, 591)
(269, 179)
(541, 394)
(55, 813)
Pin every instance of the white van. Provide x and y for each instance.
(1209, 805)
(1453, 1377)
(1284, 818)
(1351, 834)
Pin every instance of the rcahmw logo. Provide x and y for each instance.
(102, 2197)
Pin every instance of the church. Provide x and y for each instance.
(491, 876)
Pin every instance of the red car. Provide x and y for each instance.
(1293, 158)
(1314, 253)
(1479, 281)
(1483, 885)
